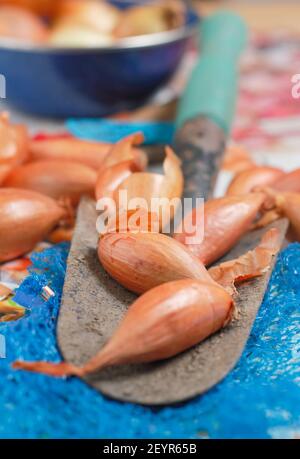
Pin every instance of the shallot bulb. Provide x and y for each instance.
(290, 182)
(26, 219)
(160, 324)
(247, 180)
(57, 179)
(98, 16)
(140, 261)
(237, 159)
(20, 24)
(91, 154)
(73, 34)
(13, 143)
(148, 186)
(226, 220)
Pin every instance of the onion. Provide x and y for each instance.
(112, 177)
(289, 182)
(91, 154)
(226, 220)
(140, 261)
(125, 150)
(13, 142)
(18, 23)
(146, 19)
(95, 15)
(146, 186)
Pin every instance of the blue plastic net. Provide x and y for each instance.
(259, 398)
(112, 130)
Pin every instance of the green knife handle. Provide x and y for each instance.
(212, 88)
(207, 106)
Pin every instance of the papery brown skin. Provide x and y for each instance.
(56, 179)
(14, 144)
(226, 220)
(135, 220)
(141, 261)
(91, 154)
(110, 179)
(252, 264)
(290, 182)
(40, 7)
(125, 149)
(147, 185)
(245, 181)
(100, 16)
(20, 24)
(26, 219)
(160, 324)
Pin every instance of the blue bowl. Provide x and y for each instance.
(81, 82)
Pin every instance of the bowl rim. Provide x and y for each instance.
(135, 42)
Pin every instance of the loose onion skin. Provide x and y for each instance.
(40, 7)
(141, 261)
(57, 179)
(237, 159)
(147, 19)
(162, 323)
(246, 181)
(5, 170)
(97, 16)
(26, 219)
(249, 265)
(91, 154)
(225, 222)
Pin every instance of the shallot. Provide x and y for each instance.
(13, 143)
(160, 324)
(247, 180)
(249, 265)
(26, 219)
(91, 154)
(111, 178)
(289, 182)
(163, 188)
(57, 179)
(226, 220)
(140, 261)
